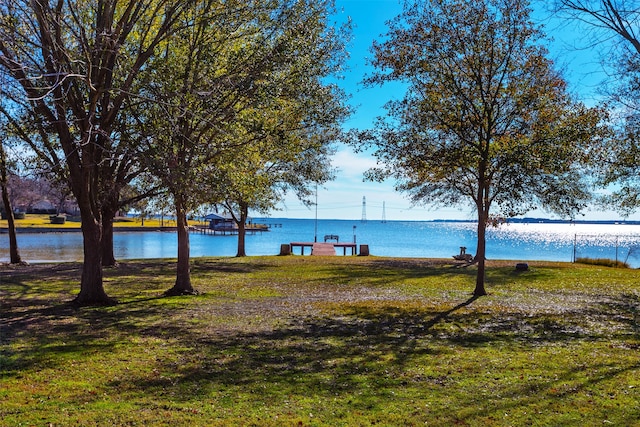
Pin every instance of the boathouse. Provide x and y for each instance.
(220, 223)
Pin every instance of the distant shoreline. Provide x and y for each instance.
(4, 229)
(551, 221)
(511, 220)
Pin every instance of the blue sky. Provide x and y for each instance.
(342, 198)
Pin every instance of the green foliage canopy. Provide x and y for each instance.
(248, 94)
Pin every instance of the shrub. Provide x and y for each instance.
(605, 262)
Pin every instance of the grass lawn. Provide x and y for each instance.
(315, 341)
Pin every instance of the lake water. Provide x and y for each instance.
(531, 241)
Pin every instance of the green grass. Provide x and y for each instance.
(314, 341)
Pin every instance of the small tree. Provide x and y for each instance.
(14, 252)
(261, 177)
(8, 128)
(226, 72)
(215, 65)
(485, 118)
(285, 140)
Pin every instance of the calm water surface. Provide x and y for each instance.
(554, 242)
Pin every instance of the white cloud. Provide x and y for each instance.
(351, 165)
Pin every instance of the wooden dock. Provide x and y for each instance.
(226, 230)
(323, 249)
(320, 248)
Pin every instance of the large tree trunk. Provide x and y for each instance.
(480, 258)
(91, 287)
(108, 257)
(242, 231)
(14, 253)
(482, 206)
(183, 272)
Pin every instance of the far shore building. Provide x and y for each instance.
(220, 222)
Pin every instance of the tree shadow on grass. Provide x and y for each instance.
(33, 311)
(624, 309)
(322, 355)
(386, 272)
(326, 354)
(363, 358)
(48, 329)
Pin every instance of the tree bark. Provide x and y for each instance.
(91, 287)
(108, 257)
(14, 253)
(182, 285)
(482, 206)
(242, 231)
(481, 252)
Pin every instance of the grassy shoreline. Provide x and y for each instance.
(299, 341)
(41, 222)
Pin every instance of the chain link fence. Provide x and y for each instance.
(619, 248)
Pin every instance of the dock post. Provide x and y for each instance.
(285, 249)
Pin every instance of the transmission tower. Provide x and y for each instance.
(364, 209)
(384, 214)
